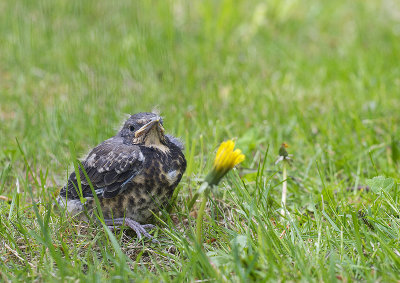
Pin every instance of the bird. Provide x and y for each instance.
(133, 174)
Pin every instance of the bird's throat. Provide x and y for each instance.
(153, 140)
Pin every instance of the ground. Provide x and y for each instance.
(322, 76)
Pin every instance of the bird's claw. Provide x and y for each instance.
(139, 229)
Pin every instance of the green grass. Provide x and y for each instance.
(323, 77)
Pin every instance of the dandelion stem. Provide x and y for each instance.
(284, 188)
(225, 159)
(199, 220)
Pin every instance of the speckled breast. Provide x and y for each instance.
(151, 189)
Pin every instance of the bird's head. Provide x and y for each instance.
(144, 129)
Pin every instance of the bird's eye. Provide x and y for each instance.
(132, 128)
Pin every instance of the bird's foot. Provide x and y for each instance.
(135, 226)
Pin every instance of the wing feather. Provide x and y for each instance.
(109, 166)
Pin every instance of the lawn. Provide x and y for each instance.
(322, 76)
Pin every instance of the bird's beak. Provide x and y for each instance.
(155, 123)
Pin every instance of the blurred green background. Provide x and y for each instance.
(310, 73)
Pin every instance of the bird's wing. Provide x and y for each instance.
(176, 142)
(110, 167)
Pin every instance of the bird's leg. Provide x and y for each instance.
(135, 226)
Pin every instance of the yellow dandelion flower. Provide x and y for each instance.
(225, 159)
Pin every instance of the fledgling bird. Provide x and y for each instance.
(133, 173)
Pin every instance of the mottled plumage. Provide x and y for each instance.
(133, 173)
